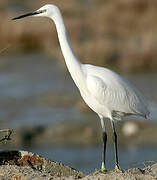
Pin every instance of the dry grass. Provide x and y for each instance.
(114, 33)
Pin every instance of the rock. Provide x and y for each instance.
(27, 165)
(16, 165)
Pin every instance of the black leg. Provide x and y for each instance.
(104, 138)
(115, 145)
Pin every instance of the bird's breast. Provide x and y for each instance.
(95, 105)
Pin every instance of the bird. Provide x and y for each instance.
(106, 92)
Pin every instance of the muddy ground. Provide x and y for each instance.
(26, 165)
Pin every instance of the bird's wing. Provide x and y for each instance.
(112, 97)
(110, 90)
(97, 87)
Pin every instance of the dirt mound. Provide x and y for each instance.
(27, 165)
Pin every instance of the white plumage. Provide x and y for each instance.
(113, 94)
(105, 92)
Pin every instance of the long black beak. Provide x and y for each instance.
(26, 15)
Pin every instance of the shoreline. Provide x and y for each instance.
(27, 165)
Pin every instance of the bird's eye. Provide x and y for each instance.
(44, 10)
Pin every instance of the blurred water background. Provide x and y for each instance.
(38, 98)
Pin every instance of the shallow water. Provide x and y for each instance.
(23, 81)
(27, 78)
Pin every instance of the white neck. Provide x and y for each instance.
(73, 64)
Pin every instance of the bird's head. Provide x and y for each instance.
(47, 10)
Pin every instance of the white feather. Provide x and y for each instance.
(113, 93)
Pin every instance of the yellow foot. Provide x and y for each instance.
(117, 169)
(102, 170)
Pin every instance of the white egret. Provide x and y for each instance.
(103, 90)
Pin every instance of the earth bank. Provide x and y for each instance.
(27, 165)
